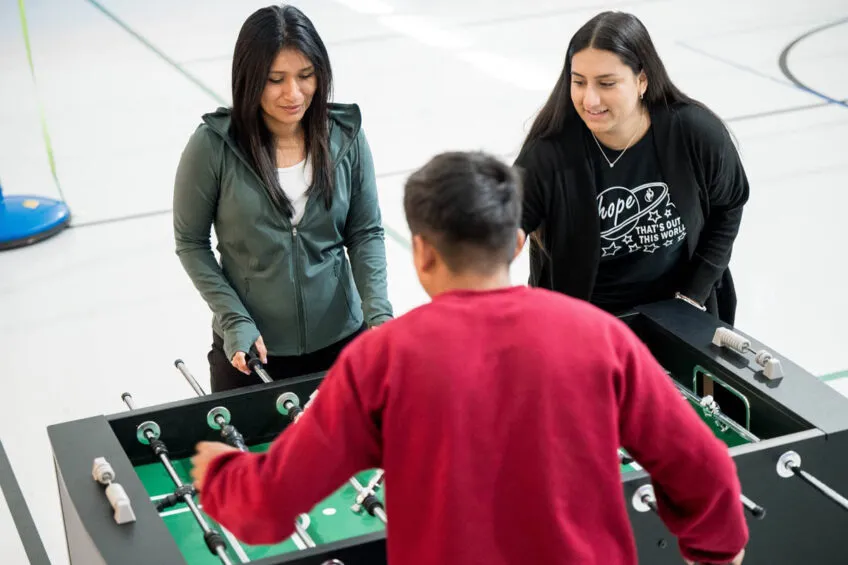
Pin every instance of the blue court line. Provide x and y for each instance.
(794, 84)
(761, 74)
(783, 62)
(736, 65)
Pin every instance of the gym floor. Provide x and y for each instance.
(105, 307)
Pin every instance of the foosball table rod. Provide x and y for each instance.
(148, 433)
(255, 365)
(375, 481)
(752, 507)
(366, 498)
(789, 465)
(218, 418)
(288, 404)
(712, 409)
(725, 337)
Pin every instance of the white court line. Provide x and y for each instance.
(237, 547)
(172, 512)
(234, 543)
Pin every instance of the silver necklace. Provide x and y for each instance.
(626, 147)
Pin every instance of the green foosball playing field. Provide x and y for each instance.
(330, 520)
(334, 519)
(724, 429)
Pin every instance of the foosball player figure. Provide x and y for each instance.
(496, 411)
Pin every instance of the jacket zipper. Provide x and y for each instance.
(301, 333)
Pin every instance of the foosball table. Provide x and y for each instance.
(127, 499)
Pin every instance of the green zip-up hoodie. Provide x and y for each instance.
(292, 285)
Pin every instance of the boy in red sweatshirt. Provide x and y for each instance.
(495, 410)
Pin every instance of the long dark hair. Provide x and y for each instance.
(626, 36)
(620, 33)
(263, 35)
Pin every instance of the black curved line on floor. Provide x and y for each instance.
(784, 65)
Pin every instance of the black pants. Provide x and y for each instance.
(223, 376)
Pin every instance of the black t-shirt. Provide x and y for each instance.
(643, 239)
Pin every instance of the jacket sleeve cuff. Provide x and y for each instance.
(379, 320)
(239, 338)
(702, 278)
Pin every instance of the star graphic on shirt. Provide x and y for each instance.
(654, 216)
(669, 242)
(628, 239)
(681, 237)
(634, 247)
(667, 213)
(651, 248)
(611, 250)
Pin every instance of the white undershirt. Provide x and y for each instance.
(295, 181)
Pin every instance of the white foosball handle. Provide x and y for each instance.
(771, 366)
(103, 473)
(120, 504)
(724, 337)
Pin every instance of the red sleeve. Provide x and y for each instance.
(258, 496)
(694, 477)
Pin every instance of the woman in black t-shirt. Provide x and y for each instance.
(633, 191)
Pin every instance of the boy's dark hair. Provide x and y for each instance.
(468, 205)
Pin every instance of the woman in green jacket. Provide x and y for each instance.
(287, 180)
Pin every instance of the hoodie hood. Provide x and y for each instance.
(345, 123)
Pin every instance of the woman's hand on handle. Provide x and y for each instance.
(239, 360)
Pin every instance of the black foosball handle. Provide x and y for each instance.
(255, 365)
(295, 412)
(753, 508)
(757, 511)
(374, 507)
(233, 437)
